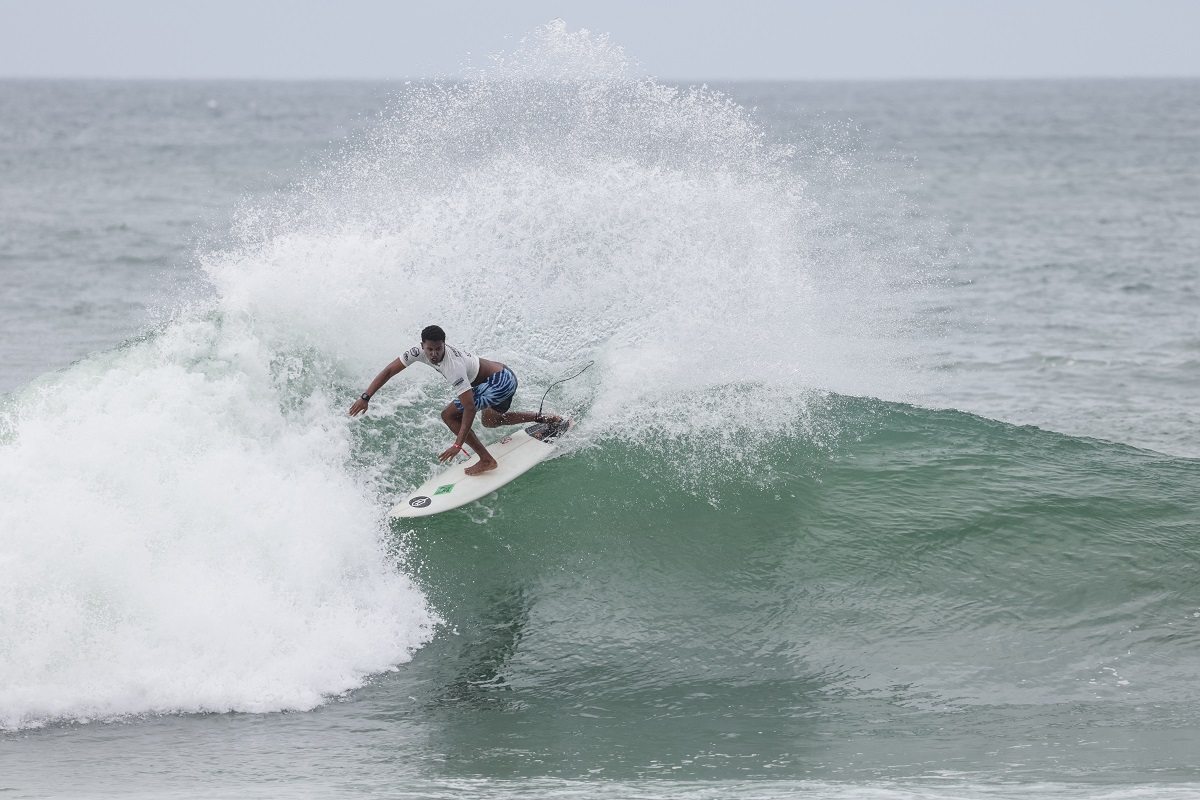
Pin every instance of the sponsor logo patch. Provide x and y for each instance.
(420, 501)
(445, 488)
(506, 440)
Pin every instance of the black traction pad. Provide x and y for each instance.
(545, 431)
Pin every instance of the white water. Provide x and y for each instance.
(173, 541)
(591, 216)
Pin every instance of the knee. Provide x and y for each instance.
(450, 414)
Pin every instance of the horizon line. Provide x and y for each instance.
(657, 78)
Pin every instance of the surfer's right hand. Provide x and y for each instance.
(359, 407)
(451, 452)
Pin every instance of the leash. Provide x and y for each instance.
(563, 380)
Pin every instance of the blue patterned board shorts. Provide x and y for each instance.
(496, 392)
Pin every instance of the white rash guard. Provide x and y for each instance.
(458, 367)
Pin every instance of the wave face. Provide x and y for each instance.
(940, 586)
(755, 561)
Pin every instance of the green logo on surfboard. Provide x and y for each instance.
(445, 488)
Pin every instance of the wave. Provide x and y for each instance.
(192, 523)
(930, 559)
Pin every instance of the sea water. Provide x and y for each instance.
(884, 482)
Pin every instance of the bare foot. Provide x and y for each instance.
(481, 467)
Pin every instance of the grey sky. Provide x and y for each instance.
(855, 39)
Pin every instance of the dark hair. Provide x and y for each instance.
(433, 333)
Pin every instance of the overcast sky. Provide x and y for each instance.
(803, 39)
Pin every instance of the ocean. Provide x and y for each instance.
(884, 483)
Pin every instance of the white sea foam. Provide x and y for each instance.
(172, 540)
(553, 210)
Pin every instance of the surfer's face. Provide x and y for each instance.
(434, 351)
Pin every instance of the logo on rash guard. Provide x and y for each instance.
(416, 351)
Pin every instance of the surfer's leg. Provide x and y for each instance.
(453, 419)
(499, 402)
(486, 462)
(494, 397)
(494, 419)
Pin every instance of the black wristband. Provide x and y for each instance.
(365, 396)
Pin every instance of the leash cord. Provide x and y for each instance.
(556, 383)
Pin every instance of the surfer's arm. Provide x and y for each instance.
(389, 372)
(467, 399)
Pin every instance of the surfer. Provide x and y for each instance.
(480, 385)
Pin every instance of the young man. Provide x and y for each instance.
(479, 384)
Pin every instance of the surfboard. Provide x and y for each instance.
(516, 454)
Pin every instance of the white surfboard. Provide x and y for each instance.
(516, 454)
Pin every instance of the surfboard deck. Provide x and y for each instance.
(516, 454)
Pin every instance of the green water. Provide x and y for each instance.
(938, 591)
